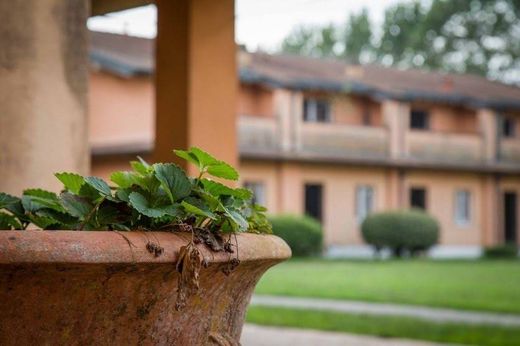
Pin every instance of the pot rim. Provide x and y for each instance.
(111, 247)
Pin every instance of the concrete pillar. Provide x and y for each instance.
(43, 89)
(395, 192)
(283, 108)
(492, 207)
(487, 120)
(396, 116)
(196, 78)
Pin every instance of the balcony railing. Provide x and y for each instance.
(445, 147)
(258, 135)
(510, 150)
(344, 140)
(270, 137)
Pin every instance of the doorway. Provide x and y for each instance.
(510, 218)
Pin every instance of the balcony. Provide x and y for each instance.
(510, 150)
(265, 136)
(343, 140)
(258, 135)
(445, 147)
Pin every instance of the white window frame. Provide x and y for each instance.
(365, 201)
(462, 207)
(258, 189)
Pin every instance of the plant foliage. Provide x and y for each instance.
(302, 233)
(401, 231)
(150, 197)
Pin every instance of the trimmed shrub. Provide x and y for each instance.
(302, 233)
(501, 251)
(401, 231)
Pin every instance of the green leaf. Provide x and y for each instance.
(173, 180)
(205, 159)
(198, 208)
(239, 223)
(142, 205)
(223, 170)
(141, 166)
(44, 222)
(123, 179)
(107, 214)
(76, 205)
(7, 200)
(188, 156)
(63, 219)
(123, 195)
(218, 189)
(8, 222)
(71, 181)
(100, 185)
(42, 199)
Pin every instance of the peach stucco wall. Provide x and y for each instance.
(440, 199)
(445, 118)
(121, 110)
(255, 100)
(284, 192)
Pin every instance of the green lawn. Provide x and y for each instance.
(386, 326)
(476, 285)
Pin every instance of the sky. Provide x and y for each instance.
(260, 24)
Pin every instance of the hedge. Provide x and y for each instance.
(303, 234)
(501, 251)
(401, 231)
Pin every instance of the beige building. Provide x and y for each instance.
(339, 141)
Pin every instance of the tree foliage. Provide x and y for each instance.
(477, 36)
(150, 197)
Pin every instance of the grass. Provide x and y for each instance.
(386, 326)
(472, 285)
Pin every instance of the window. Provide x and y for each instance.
(364, 202)
(313, 200)
(462, 207)
(418, 197)
(315, 110)
(258, 191)
(419, 119)
(508, 127)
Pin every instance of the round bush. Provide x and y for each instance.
(302, 233)
(400, 231)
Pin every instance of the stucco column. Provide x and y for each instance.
(43, 88)
(282, 105)
(491, 224)
(487, 120)
(396, 117)
(196, 78)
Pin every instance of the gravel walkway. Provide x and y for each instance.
(254, 335)
(422, 312)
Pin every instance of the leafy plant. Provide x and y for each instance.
(402, 231)
(303, 234)
(150, 197)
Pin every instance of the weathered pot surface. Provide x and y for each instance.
(106, 288)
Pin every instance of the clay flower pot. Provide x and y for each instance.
(106, 288)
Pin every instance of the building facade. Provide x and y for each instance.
(339, 142)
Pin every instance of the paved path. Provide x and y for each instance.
(254, 335)
(422, 312)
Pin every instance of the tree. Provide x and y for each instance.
(312, 41)
(358, 38)
(477, 36)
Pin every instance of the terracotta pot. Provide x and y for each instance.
(105, 288)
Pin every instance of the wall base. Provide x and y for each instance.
(437, 252)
